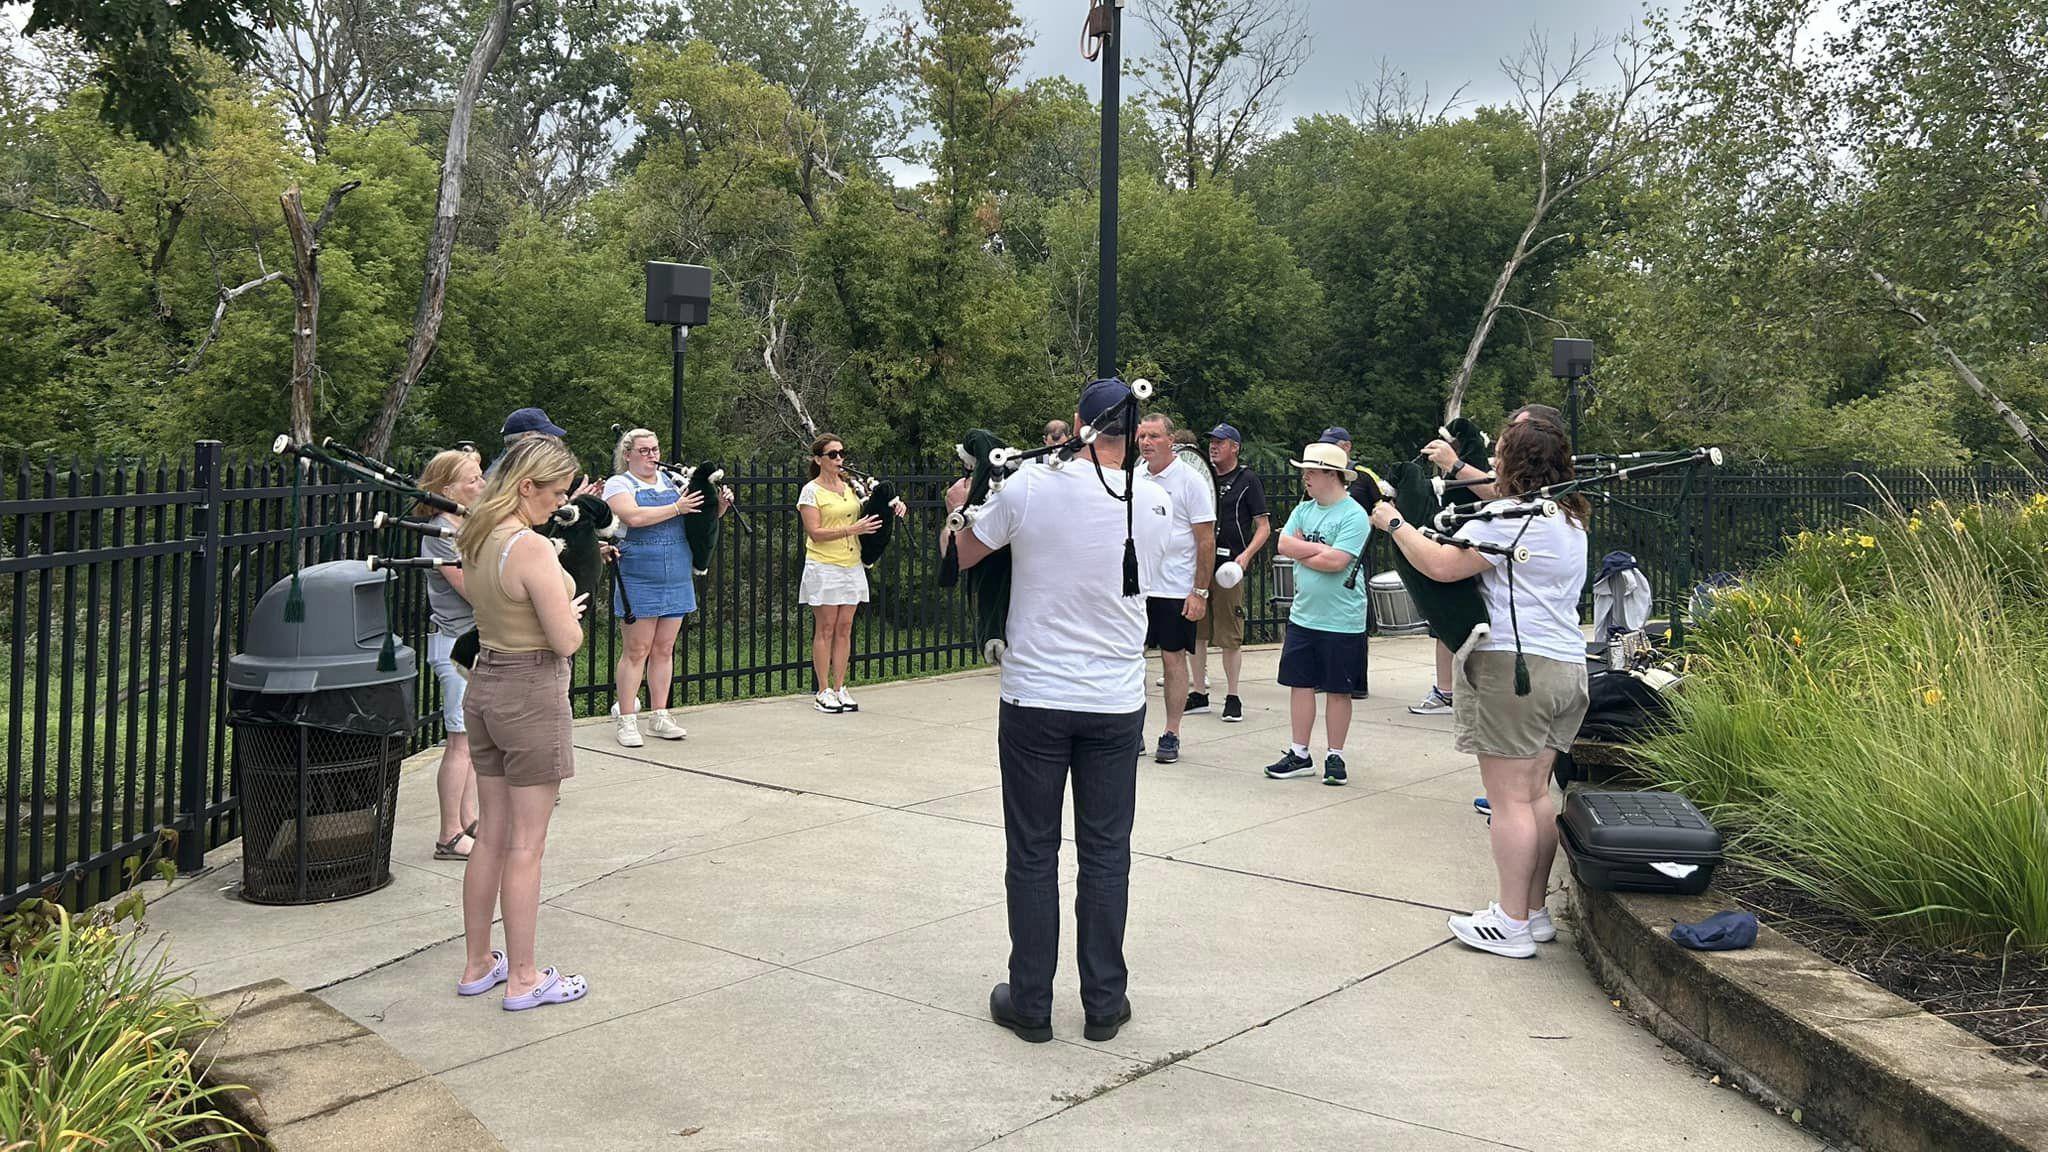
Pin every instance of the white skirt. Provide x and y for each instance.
(826, 584)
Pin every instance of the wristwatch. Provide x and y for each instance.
(1394, 524)
(1202, 592)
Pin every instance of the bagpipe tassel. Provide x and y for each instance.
(1521, 675)
(295, 604)
(387, 656)
(1130, 567)
(294, 600)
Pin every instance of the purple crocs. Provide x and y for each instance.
(489, 980)
(554, 988)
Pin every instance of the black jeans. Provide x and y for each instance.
(1037, 746)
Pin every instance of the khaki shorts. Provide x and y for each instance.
(1222, 627)
(1492, 721)
(517, 713)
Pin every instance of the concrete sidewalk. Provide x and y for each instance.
(790, 923)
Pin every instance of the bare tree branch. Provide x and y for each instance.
(426, 325)
(2013, 420)
(1566, 161)
(220, 310)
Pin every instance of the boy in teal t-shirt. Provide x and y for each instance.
(1325, 646)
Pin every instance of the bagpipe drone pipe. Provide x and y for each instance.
(991, 463)
(1455, 610)
(578, 529)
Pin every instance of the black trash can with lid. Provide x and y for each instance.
(320, 733)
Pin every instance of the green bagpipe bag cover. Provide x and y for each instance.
(877, 504)
(701, 527)
(1454, 610)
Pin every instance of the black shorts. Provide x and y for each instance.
(1165, 627)
(1324, 661)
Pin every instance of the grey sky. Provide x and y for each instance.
(1442, 44)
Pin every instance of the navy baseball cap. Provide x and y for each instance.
(1225, 432)
(530, 420)
(1334, 435)
(1100, 398)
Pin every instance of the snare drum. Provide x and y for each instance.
(1283, 580)
(1392, 608)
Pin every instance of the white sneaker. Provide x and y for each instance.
(1437, 703)
(1489, 931)
(665, 727)
(846, 703)
(629, 731)
(1542, 929)
(828, 701)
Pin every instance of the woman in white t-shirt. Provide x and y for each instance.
(834, 583)
(1534, 610)
(654, 565)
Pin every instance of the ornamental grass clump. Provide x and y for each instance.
(96, 1039)
(1867, 720)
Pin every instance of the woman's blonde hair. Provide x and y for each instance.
(541, 459)
(440, 474)
(625, 445)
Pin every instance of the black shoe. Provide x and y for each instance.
(1168, 749)
(1290, 766)
(1197, 702)
(1101, 1028)
(1000, 1011)
(1333, 770)
(1233, 710)
(1360, 694)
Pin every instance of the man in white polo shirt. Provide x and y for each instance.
(1073, 700)
(1177, 584)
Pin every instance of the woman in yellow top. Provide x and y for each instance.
(529, 622)
(835, 585)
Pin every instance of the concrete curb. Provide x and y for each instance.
(1834, 1051)
(312, 1080)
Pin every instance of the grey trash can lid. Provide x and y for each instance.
(336, 646)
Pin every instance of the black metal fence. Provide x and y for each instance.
(126, 584)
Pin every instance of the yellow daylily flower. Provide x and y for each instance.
(1867, 541)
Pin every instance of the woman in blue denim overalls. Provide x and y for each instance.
(655, 565)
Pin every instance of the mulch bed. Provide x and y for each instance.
(2003, 999)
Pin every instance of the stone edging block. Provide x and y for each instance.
(1854, 1061)
(316, 1081)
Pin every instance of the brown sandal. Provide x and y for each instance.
(447, 851)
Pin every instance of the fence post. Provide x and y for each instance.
(1681, 596)
(193, 757)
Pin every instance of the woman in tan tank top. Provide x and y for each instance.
(529, 621)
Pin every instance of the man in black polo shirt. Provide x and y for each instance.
(1242, 528)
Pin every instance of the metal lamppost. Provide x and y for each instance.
(678, 295)
(1106, 28)
(1571, 361)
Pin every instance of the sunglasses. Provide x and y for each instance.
(835, 454)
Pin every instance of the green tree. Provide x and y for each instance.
(149, 68)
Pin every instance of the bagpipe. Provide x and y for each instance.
(577, 529)
(990, 464)
(877, 499)
(1456, 610)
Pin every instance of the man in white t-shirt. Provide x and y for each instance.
(1177, 583)
(1073, 700)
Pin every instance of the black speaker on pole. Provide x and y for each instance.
(678, 295)
(1569, 359)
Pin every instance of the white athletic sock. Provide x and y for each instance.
(1300, 750)
(1517, 925)
(1336, 752)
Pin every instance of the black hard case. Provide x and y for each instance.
(1613, 838)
